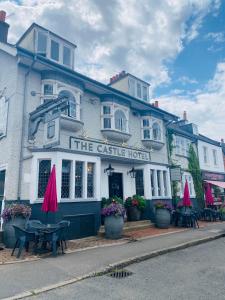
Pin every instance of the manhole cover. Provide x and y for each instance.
(121, 273)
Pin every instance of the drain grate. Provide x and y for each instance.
(120, 273)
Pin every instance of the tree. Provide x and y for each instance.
(194, 169)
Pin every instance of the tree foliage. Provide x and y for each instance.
(194, 169)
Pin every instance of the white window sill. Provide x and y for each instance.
(69, 200)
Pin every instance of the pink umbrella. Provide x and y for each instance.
(50, 203)
(186, 197)
(208, 195)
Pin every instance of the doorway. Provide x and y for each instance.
(116, 185)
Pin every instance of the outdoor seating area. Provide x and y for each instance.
(43, 237)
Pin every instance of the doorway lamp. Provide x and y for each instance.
(132, 173)
(109, 171)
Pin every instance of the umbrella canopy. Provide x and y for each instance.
(50, 203)
(186, 197)
(208, 195)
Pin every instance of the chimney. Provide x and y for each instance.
(185, 115)
(4, 27)
(156, 103)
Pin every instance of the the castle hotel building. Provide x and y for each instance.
(105, 140)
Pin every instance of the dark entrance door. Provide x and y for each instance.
(116, 185)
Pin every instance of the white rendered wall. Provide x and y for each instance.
(210, 166)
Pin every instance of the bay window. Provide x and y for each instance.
(71, 110)
(156, 131)
(151, 129)
(120, 121)
(115, 117)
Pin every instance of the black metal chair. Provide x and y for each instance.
(30, 225)
(64, 225)
(23, 238)
(54, 238)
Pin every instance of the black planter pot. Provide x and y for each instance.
(133, 213)
(162, 218)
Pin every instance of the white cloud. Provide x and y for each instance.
(217, 37)
(136, 36)
(206, 108)
(184, 80)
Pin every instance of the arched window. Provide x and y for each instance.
(156, 131)
(120, 121)
(71, 110)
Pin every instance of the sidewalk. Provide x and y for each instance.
(31, 276)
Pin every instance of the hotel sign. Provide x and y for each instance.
(110, 150)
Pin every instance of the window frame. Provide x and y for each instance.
(114, 107)
(70, 178)
(38, 169)
(205, 155)
(4, 169)
(215, 157)
(151, 121)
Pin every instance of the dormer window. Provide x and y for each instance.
(54, 50)
(42, 43)
(66, 56)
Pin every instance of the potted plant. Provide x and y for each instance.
(222, 212)
(134, 205)
(162, 214)
(106, 201)
(113, 220)
(14, 214)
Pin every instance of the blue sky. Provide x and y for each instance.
(199, 58)
(176, 45)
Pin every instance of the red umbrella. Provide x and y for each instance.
(186, 197)
(208, 195)
(50, 203)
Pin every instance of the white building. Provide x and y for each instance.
(51, 114)
(209, 153)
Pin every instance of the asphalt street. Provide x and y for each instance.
(194, 273)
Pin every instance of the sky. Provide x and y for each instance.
(178, 46)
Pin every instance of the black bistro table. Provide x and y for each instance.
(41, 230)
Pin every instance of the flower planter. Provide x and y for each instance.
(222, 216)
(133, 213)
(162, 218)
(9, 238)
(113, 227)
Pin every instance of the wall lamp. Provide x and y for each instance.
(109, 171)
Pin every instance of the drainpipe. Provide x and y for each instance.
(23, 129)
